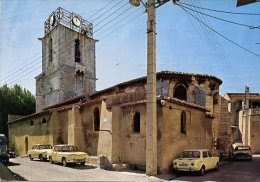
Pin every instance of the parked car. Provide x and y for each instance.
(240, 152)
(67, 154)
(199, 160)
(40, 151)
(11, 153)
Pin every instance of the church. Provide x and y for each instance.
(112, 122)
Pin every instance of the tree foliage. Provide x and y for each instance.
(14, 101)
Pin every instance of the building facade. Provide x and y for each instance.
(112, 122)
(245, 121)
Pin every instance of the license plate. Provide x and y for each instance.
(183, 164)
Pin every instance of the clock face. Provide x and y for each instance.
(52, 20)
(76, 21)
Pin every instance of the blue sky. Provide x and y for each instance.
(182, 43)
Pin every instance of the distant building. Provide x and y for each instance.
(238, 110)
(112, 122)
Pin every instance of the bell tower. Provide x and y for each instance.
(68, 60)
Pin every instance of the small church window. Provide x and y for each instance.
(137, 123)
(180, 92)
(77, 50)
(50, 50)
(183, 122)
(44, 121)
(96, 119)
(31, 123)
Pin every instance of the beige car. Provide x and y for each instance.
(199, 160)
(67, 154)
(40, 151)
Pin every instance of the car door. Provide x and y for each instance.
(54, 154)
(211, 162)
(34, 151)
(205, 159)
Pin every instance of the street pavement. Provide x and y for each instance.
(44, 171)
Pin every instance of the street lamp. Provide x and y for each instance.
(151, 104)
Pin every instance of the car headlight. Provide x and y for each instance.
(192, 164)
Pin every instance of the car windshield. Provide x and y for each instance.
(69, 149)
(190, 154)
(45, 147)
(242, 148)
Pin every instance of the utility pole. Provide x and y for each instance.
(151, 110)
(246, 110)
(151, 102)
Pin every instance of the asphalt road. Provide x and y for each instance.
(44, 171)
(244, 171)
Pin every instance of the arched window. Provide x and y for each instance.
(183, 122)
(136, 127)
(96, 119)
(77, 50)
(180, 92)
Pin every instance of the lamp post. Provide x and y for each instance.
(151, 111)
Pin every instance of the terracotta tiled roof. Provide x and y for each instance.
(162, 74)
(241, 96)
(57, 108)
(181, 102)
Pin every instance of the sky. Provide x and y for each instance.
(183, 44)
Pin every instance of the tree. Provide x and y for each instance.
(14, 101)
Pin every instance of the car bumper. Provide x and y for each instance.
(75, 160)
(185, 169)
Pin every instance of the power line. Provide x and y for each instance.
(112, 13)
(120, 20)
(15, 72)
(114, 19)
(107, 35)
(100, 9)
(107, 11)
(220, 33)
(232, 22)
(216, 45)
(220, 11)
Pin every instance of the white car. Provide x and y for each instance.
(240, 152)
(40, 151)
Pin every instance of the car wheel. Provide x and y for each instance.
(40, 157)
(30, 157)
(216, 167)
(202, 170)
(51, 161)
(64, 162)
(82, 163)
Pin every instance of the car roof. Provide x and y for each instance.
(60, 145)
(197, 150)
(42, 144)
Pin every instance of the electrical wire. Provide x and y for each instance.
(111, 14)
(15, 72)
(113, 19)
(224, 37)
(216, 45)
(232, 22)
(107, 35)
(107, 11)
(219, 11)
